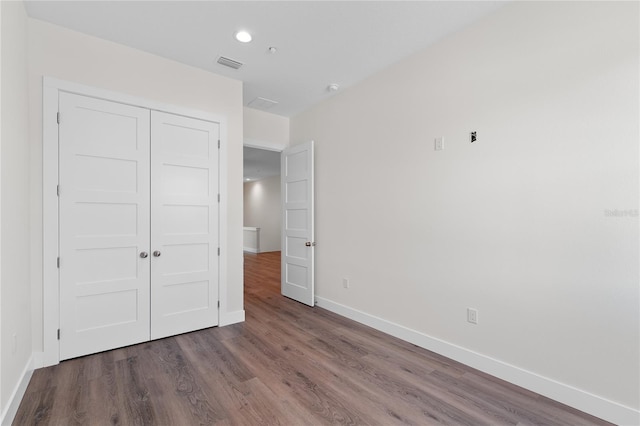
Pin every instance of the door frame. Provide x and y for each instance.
(275, 147)
(265, 146)
(51, 87)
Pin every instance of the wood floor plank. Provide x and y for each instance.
(351, 374)
(288, 377)
(36, 407)
(341, 381)
(287, 364)
(274, 381)
(133, 392)
(188, 392)
(207, 352)
(70, 385)
(233, 388)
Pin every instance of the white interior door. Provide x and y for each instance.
(184, 224)
(104, 225)
(298, 244)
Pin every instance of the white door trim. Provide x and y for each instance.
(265, 145)
(51, 295)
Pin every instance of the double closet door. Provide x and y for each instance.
(138, 224)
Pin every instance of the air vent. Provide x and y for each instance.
(229, 63)
(262, 103)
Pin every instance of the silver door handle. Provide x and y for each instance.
(310, 244)
(156, 253)
(144, 254)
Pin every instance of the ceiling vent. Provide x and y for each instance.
(262, 103)
(229, 63)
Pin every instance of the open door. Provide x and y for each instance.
(298, 244)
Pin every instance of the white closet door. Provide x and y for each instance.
(184, 224)
(104, 225)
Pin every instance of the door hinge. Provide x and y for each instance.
(218, 303)
(58, 263)
(58, 190)
(218, 251)
(218, 143)
(58, 117)
(58, 334)
(218, 197)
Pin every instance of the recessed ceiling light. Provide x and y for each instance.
(333, 87)
(243, 36)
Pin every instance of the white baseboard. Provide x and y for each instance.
(16, 396)
(569, 395)
(250, 250)
(37, 360)
(229, 318)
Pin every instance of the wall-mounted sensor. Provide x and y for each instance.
(473, 137)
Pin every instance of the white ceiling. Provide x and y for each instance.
(260, 163)
(318, 42)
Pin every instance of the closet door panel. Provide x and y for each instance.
(104, 225)
(184, 224)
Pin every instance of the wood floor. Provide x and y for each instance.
(288, 364)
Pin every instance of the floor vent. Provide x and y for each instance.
(229, 63)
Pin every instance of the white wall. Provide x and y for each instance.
(265, 130)
(517, 225)
(15, 291)
(262, 209)
(72, 56)
(1, 395)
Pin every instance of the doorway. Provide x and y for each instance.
(296, 213)
(262, 218)
(261, 197)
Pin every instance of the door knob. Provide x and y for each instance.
(310, 244)
(156, 253)
(144, 254)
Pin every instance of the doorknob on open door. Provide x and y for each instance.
(310, 244)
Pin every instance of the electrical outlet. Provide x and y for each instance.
(438, 144)
(472, 315)
(345, 282)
